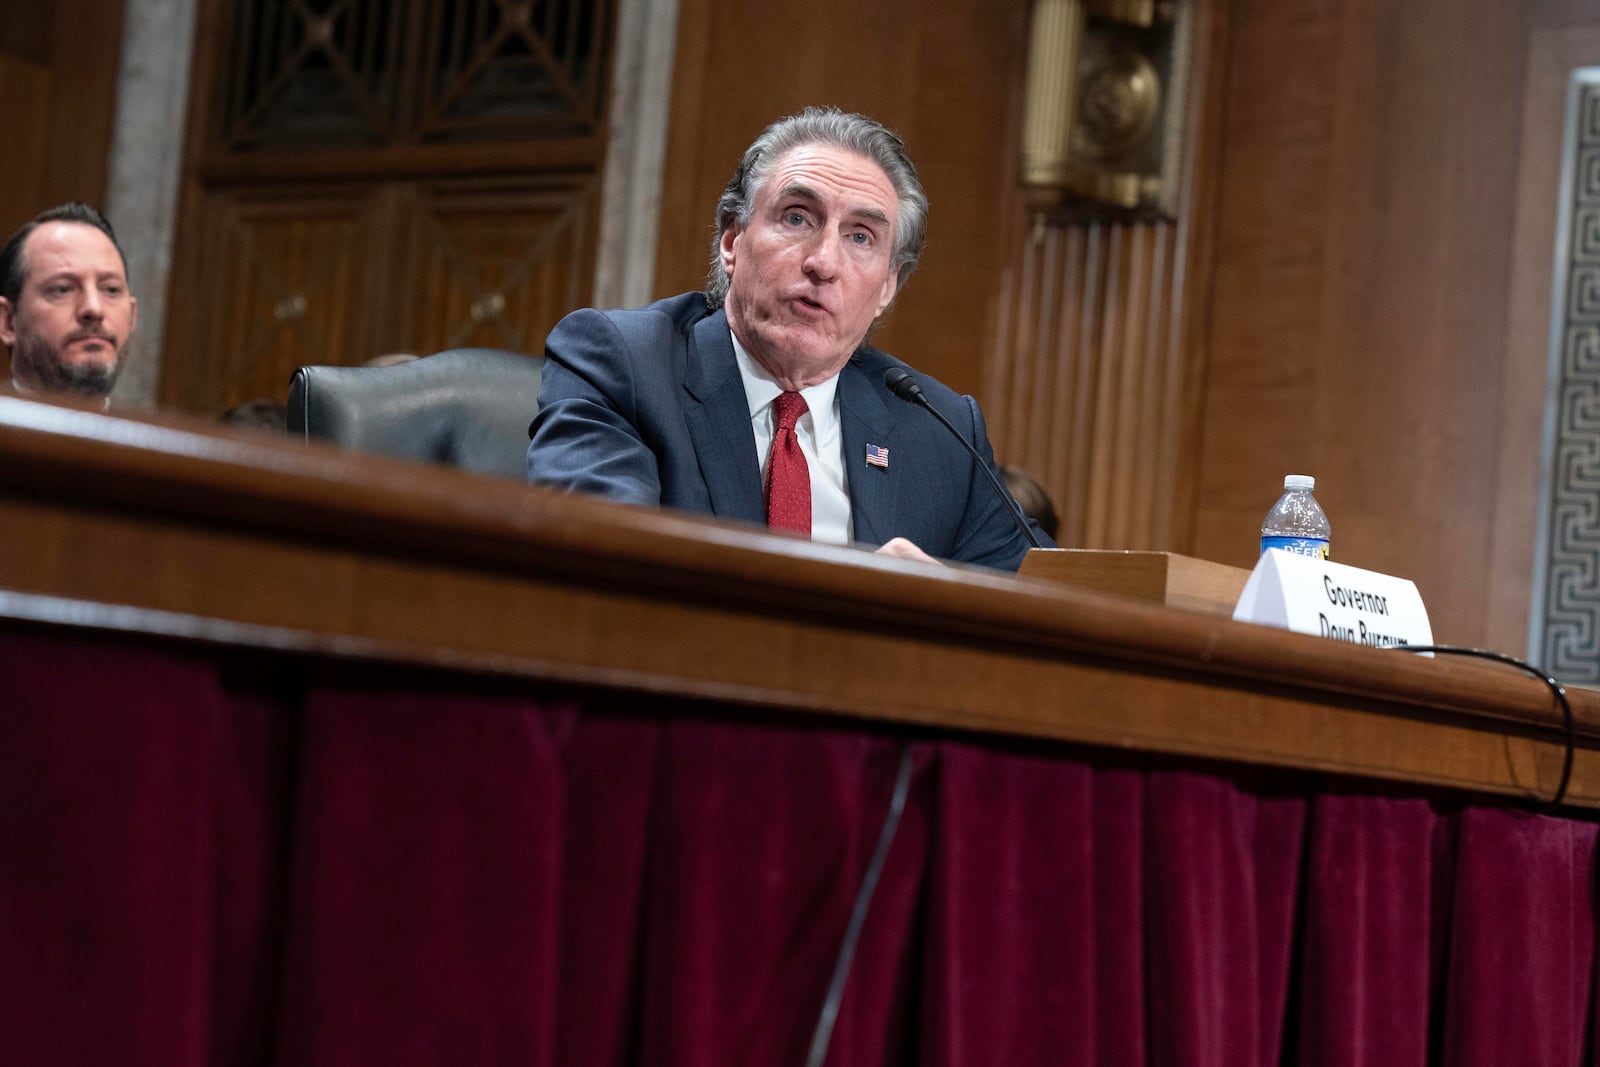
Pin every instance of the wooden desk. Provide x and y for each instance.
(312, 758)
(168, 528)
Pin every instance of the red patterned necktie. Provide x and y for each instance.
(788, 477)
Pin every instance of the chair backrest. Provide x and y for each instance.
(466, 407)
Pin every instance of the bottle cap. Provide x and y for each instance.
(1299, 481)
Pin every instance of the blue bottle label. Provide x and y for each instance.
(1315, 547)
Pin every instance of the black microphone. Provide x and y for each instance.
(904, 386)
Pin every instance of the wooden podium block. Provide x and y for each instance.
(1158, 577)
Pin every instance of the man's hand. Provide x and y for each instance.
(900, 548)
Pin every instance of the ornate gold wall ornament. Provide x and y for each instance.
(1119, 101)
(1102, 121)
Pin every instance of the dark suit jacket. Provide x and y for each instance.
(647, 406)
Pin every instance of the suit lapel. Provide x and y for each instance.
(865, 419)
(718, 417)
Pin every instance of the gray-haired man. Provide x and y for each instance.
(759, 400)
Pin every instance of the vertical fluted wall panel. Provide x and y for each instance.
(1087, 379)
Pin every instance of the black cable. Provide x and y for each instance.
(1549, 806)
(903, 385)
(823, 1034)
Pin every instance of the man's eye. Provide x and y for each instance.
(861, 238)
(795, 218)
(57, 290)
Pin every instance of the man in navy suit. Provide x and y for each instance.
(758, 400)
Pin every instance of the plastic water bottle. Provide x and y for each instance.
(1296, 522)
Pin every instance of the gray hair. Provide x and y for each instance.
(823, 125)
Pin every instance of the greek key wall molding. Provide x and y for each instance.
(1564, 631)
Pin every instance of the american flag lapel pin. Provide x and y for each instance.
(878, 456)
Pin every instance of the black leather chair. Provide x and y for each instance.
(466, 407)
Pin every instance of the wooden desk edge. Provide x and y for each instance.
(332, 534)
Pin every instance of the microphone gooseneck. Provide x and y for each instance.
(904, 386)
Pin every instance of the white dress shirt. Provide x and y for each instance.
(105, 401)
(821, 439)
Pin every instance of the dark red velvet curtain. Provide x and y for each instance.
(213, 857)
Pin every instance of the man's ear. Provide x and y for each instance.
(8, 323)
(891, 285)
(725, 249)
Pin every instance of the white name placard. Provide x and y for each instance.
(1327, 599)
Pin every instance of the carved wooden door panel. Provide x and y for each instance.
(365, 177)
(285, 280)
(492, 263)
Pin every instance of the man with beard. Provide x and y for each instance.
(65, 311)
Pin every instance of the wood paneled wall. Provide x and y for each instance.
(58, 79)
(1087, 378)
(1358, 316)
(940, 74)
(1362, 324)
(58, 82)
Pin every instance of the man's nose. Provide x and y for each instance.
(822, 258)
(92, 307)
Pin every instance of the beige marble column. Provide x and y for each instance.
(630, 209)
(144, 172)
